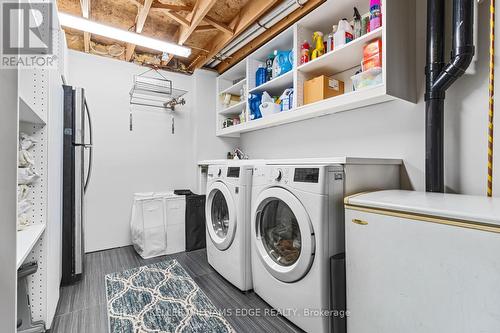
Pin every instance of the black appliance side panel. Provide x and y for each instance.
(195, 222)
(68, 189)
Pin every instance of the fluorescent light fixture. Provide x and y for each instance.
(82, 24)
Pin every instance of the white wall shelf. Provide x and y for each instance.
(26, 240)
(398, 59)
(277, 85)
(348, 101)
(235, 109)
(235, 89)
(345, 57)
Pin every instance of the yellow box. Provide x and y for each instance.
(322, 87)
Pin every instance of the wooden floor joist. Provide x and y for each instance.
(270, 33)
(220, 26)
(251, 12)
(175, 8)
(200, 10)
(85, 4)
(178, 18)
(142, 15)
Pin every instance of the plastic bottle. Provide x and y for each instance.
(329, 43)
(344, 33)
(260, 77)
(357, 24)
(375, 14)
(269, 67)
(304, 52)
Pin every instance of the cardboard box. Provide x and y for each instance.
(322, 87)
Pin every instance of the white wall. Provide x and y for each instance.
(396, 129)
(206, 145)
(147, 159)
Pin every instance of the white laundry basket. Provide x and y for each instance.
(157, 224)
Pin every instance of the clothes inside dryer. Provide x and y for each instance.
(280, 232)
(220, 215)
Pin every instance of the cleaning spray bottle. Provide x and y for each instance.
(357, 24)
(375, 14)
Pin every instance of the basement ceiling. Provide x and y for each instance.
(202, 25)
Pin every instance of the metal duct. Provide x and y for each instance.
(258, 28)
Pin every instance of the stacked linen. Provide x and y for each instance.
(25, 177)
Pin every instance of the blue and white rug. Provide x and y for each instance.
(159, 298)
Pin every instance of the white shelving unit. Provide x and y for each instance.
(26, 240)
(28, 114)
(398, 57)
(40, 102)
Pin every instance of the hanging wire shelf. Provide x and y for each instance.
(155, 92)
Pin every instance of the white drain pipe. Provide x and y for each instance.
(258, 28)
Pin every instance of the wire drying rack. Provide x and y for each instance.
(157, 92)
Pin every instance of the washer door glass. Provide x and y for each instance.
(280, 233)
(220, 215)
(283, 234)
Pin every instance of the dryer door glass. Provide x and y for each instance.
(220, 215)
(280, 232)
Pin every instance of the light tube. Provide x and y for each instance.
(82, 24)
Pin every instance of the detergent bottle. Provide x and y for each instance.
(283, 62)
(344, 33)
(254, 102)
(260, 76)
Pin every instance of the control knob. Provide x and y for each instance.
(277, 174)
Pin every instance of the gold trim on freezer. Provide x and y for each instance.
(427, 218)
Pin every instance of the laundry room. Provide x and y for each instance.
(249, 166)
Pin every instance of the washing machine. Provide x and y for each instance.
(297, 225)
(228, 221)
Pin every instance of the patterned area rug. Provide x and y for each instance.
(160, 297)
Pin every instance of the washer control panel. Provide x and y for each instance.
(281, 175)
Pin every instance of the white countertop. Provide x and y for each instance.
(308, 161)
(453, 206)
(26, 240)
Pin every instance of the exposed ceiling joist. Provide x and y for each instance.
(252, 11)
(270, 33)
(200, 10)
(175, 8)
(142, 15)
(85, 4)
(219, 25)
(206, 27)
(178, 18)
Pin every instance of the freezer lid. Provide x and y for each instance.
(441, 205)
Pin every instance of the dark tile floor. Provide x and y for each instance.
(82, 307)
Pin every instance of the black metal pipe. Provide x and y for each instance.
(435, 44)
(463, 45)
(440, 77)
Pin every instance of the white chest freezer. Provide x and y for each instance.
(422, 263)
(158, 224)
